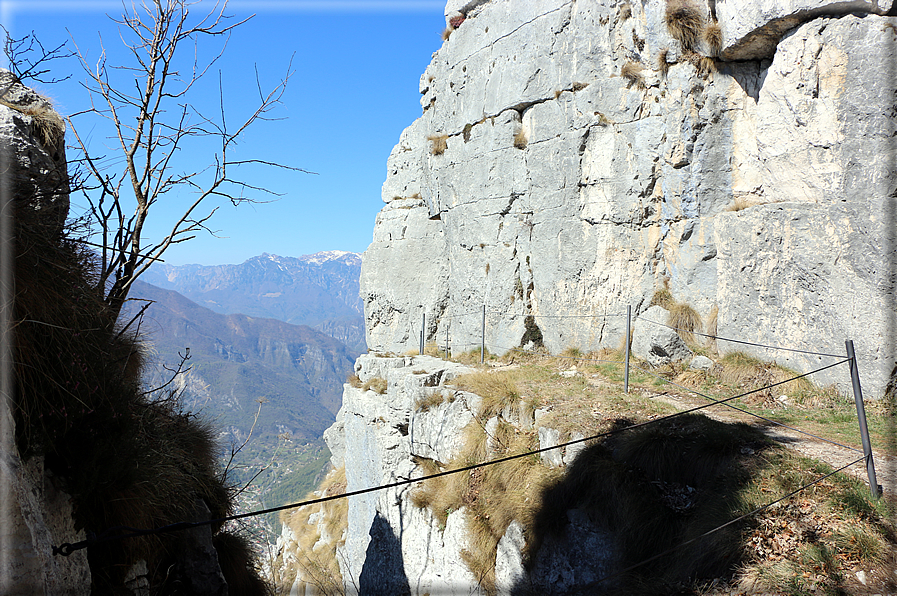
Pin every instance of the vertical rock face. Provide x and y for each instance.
(554, 186)
(35, 515)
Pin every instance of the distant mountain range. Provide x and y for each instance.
(237, 360)
(318, 290)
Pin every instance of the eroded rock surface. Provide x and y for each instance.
(543, 184)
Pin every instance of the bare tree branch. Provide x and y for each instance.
(151, 121)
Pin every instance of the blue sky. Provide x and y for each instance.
(353, 90)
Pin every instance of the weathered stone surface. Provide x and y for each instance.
(32, 139)
(701, 363)
(564, 193)
(572, 451)
(580, 556)
(509, 570)
(751, 30)
(548, 437)
(378, 436)
(656, 343)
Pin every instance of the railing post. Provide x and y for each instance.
(423, 326)
(483, 338)
(626, 349)
(861, 416)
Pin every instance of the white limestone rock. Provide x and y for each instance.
(752, 29)
(564, 192)
(653, 341)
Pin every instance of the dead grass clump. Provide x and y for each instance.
(354, 381)
(520, 140)
(632, 72)
(438, 144)
(747, 373)
(319, 531)
(492, 496)
(685, 22)
(432, 400)
(713, 35)
(685, 320)
(739, 204)
(447, 32)
(663, 67)
(625, 11)
(497, 388)
(710, 328)
(46, 124)
(663, 298)
(376, 384)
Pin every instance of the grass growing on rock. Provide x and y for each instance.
(318, 531)
(685, 22)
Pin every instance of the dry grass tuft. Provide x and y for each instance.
(497, 388)
(625, 11)
(46, 124)
(432, 400)
(746, 373)
(520, 140)
(317, 541)
(713, 35)
(376, 384)
(663, 298)
(446, 33)
(438, 144)
(685, 320)
(685, 22)
(632, 72)
(710, 327)
(662, 65)
(354, 381)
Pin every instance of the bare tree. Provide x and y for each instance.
(151, 120)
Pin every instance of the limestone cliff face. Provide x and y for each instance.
(540, 181)
(36, 514)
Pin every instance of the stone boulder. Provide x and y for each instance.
(654, 342)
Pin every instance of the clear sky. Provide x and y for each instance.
(354, 88)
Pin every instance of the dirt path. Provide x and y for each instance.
(834, 455)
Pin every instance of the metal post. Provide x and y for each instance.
(626, 348)
(483, 338)
(423, 326)
(861, 415)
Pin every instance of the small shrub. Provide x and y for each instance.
(520, 139)
(354, 381)
(466, 133)
(685, 22)
(376, 384)
(632, 72)
(446, 33)
(438, 144)
(713, 35)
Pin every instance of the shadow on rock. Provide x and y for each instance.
(384, 568)
(636, 495)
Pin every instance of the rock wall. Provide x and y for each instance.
(35, 514)
(573, 157)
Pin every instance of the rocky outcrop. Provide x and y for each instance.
(35, 513)
(554, 186)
